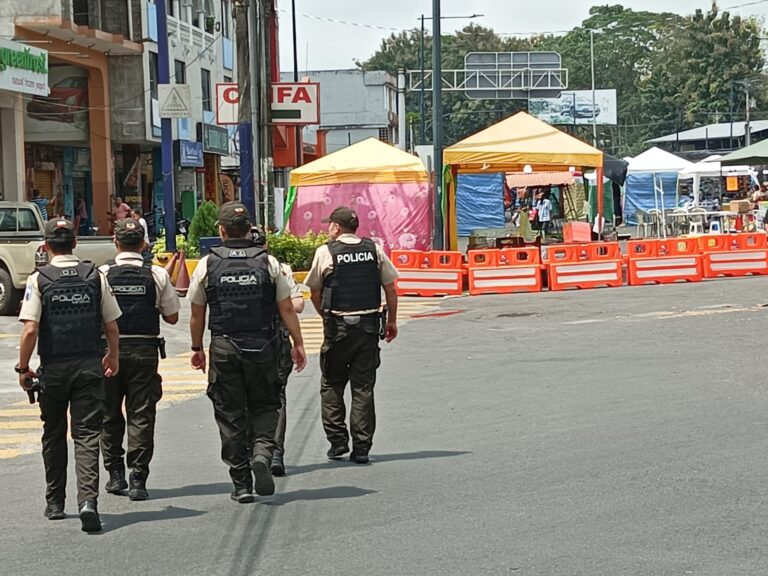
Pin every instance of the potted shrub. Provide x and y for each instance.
(203, 230)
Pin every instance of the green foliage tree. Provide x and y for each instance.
(203, 225)
(670, 72)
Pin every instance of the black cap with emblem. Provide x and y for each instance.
(59, 229)
(129, 231)
(343, 216)
(234, 214)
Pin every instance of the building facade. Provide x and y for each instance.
(96, 134)
(354, 105)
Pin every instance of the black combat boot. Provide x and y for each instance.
(89, 516)
(263, 482)
(278, 466)
(359, 457)
(336, 451)
(242, 494)
(138, 489)
(117, 483)
(54, 511)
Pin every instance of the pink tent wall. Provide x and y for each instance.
(395, 216)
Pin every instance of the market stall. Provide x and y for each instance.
(521, 143)
(387, 187)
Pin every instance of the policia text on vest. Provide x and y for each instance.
(246, 297)
(67, 305)
(145, 294)
(346, 280)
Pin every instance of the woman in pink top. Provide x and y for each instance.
(121, 210)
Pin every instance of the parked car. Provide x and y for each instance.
(68, 97)
(22, 249)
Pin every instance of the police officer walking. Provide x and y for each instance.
(145, 293)
(345, 280)
(285, 362)
(245, 291)
(66, 306)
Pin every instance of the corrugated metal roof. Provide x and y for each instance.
(523, 180)
(714, 132)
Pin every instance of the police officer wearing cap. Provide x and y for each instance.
(245, 292)
(345, 280)
(67, 304)
(145, 294)
(284, 363)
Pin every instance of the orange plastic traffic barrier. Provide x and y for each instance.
(504, 271)
(584, 266)
(428, 273)
(182, 278)
(734, 254)
(663, 261)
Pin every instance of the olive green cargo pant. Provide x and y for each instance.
(77, 386)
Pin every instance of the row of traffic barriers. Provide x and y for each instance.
(504, 271)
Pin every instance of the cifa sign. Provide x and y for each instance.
(292, 103)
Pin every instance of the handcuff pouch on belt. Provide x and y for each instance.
(337, 328)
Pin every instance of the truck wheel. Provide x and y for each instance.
(9, 295)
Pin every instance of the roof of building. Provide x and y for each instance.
(713, 132)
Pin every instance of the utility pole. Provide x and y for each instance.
(422, 103)
(592, 59)
(245, 125)
(253, 59)
(266, 174)
(437, 124)
(166, 146)
(747, 131)
(296, 79)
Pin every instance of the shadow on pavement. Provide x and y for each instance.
(112, 522)
(375, 458)
(332, 493)
(191, 490)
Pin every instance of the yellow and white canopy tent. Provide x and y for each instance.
(389, 189)
(521, 143)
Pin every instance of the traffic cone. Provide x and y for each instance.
(171, 266)
(182, 279)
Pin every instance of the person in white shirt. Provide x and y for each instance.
(136, 215)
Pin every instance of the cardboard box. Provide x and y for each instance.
(576, 232)
(741, 206)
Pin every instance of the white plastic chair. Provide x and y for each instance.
(656, 223)
(696, 225)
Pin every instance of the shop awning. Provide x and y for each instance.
(523, 180)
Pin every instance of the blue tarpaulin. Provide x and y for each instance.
(479, 202)
(640, 193)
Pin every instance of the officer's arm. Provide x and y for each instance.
(317, 300)
(27, 342)
(298, 304)
(197, 324)
(171, 318)
(291, 321)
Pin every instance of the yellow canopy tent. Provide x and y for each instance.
(387, 186)
(368, 161)
(509, 146)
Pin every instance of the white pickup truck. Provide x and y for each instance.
(21, 249)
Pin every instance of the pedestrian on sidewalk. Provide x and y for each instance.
(345, 280)
(285, 362)
(145, 294)
(245, 291)
(67, 304)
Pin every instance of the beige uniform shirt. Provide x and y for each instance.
(199, 282)
(285, 269)
(32, 307)
(166, 300)
(322, 265)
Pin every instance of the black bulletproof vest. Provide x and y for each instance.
(354, 283)
(70, 325)
(241, 293)
(135, 290)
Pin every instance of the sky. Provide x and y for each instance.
(328, 45)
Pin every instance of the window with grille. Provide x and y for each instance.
(384, 134)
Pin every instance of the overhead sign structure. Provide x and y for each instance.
(175, 100)
(292, 103)
(513, 75)
(576, 107)
(23, 69)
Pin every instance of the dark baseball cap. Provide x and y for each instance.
(234, 213)
(129, 230)
(343, 216)
(59, 228)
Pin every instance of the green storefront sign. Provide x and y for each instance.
(23, 60)
(215, 139)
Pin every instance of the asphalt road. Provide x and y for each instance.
(604, 432)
